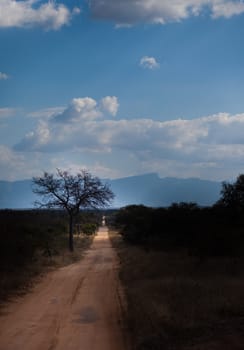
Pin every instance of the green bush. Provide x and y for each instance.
(89, 228)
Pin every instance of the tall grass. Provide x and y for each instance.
(176, 301)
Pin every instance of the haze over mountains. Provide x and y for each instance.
(148, 189)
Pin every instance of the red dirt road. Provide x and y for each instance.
(77, 307)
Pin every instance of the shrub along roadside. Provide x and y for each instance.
(32, 242)
(177, 302)
(204, 232)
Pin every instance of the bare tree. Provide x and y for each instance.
(71, 193)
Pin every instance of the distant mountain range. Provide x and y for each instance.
(151, 190)
(148, 189)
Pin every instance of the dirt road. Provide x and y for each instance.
(74, 308)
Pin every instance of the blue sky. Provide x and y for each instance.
(122, 88)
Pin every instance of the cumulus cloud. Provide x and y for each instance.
(28, 13)
(82, 129)
(149, 62)
(210, 146)
(37, 139)
(129, 12)
(110, 104)
(3, 76)
(86, 108)
(79, 120)
(79, 109)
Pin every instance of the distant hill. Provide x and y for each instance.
(154, 191)
(148, 189)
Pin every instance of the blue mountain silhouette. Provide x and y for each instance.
(147, 189)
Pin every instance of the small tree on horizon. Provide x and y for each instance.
(71, 193)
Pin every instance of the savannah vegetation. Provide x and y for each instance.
(71, 193)
(34, 240)
(183, 272)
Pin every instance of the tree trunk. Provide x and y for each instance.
(71, 237)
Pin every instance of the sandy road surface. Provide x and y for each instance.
(74, 308)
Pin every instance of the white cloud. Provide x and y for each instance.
(81, 104)
(26, 13)
(149, 62)
(79, 109)
(86, 108)
(227, 9)
(47, 112)
(20, 165)
(3, 76)
(110, 104)
(97, 168)
(6, 154)
(78, 121)
(81, 129)
(10, 163)
(209, 147)
(130, 12)
(37, 139)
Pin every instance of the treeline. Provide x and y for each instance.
(203, 231)
(182, 268)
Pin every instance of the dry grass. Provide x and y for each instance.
(65, 257)
(178, 302)
(19, 281)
